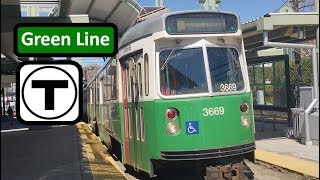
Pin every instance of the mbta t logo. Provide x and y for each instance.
(49, 92)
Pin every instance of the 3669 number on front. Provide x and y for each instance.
(228, 87)
(213, 111)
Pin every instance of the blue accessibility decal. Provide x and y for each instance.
(192, 127)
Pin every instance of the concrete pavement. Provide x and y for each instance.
(274, 148)
(40, 154)
(53, 153)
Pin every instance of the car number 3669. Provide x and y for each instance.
(214, 111)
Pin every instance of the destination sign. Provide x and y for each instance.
(201, 23)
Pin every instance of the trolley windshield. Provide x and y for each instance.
(182, 71)
(225, 69)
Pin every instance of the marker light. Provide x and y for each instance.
(172, 128)
(245, 121)
(244, 108)
(171, 114)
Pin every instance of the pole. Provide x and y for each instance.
(297, 61)
(315, 76)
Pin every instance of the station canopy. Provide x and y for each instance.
(281, 27)
(122, 13)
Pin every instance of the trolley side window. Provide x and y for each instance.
(225, 69)
(105, 85)
(97, 91)
(101, 86)
(91, 95)
(101, 89)
(146, 74)
(94, 92)
(114, 79)
(132, 87)
(128, 83)
(140, 80)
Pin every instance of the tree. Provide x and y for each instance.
(306, 72)
(89, 72)
(302, 6)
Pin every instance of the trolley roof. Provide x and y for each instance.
(155, 24)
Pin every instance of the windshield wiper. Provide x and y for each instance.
(225, 45)
(168, 58)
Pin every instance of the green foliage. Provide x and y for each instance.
(279, 74)
(280, 77)
(274, 73)
(271, 79)
(306, 72)
(258, 74)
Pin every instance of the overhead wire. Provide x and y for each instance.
(285, 2)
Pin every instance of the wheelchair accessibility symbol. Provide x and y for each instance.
(192, 127)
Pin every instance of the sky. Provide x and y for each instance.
(246, 9)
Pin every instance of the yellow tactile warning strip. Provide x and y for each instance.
(97, 162)
(291, 163)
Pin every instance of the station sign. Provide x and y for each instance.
(65, 39)
(49, 92)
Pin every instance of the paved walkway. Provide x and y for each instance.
(273, 147)
(50, 154)
(53, 153)
(10, 124)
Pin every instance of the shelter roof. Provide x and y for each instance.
(282, 27)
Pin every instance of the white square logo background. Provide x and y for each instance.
(58, 83)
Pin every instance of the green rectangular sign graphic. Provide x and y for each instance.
(79, 40)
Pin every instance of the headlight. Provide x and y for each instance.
(245, 121)
(172, 128)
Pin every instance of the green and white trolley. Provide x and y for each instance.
(177, 91)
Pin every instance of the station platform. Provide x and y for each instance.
(51, 148)
(274, 148)
(53, 153)
(98, 162)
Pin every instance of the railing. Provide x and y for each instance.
(315, 74)
(297, 122)
(269, 116)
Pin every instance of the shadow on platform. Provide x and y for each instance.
(267, 130)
